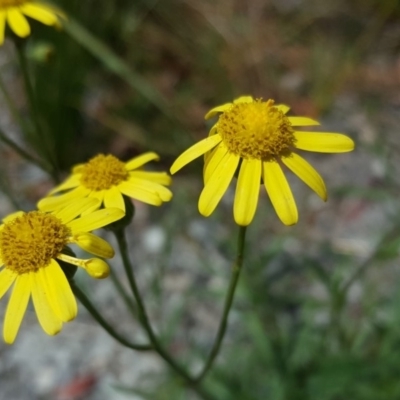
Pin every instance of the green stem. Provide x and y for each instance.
(21, 151)
(337, 302)
(11, 106)
(24, 127)
(8, 192)
(361, 269)
(120, 236)
(39, 135)
(28, 85)
(96, 315)
(236, 269)
(125, 297)
(115, 64)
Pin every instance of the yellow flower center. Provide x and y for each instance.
(12, 3)
(102, 172)
(256, 130)
(30, 241)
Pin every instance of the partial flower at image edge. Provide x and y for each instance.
(32, 250)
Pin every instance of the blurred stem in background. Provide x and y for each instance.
(39, 137)
(19, 150)
(29, 133)
(236, 269)
(128, 300)
(118, 66)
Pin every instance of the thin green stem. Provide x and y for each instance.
(115, 64)
(8, 192)
(125, 297)
(11, 106)
(120, 236)
(360, 270)
(107, 327)
(28, 86)
(39, 136)
(24, 127)
(236, 269)
(21, 151)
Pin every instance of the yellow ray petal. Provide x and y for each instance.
(207, 156)
(2, 25)
(48, 320)
(16, 307)
(218, 184)
(53, 203)
(131, 190)
(113, 199)
(70, 183)
(12, 216)
(97, 194)
(18, 22)
(95, 220)
(306, 173)
(52, 9)
(164, 193)
(75, 208)
(195, 151)
(7, 278)
(39, 13)
(324, 142)
(283, 107)
(78, 168)
(213, 130)
(247, 191)
(303, 121)
(59, 292)
(279, 192)
(216, 110)
(213, 162)
(93, 244)
(141, 160)
(160, 177)
(244, 99)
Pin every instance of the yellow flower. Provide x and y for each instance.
(256, 138)
(107, 179)
(13, 12)
(30, 244)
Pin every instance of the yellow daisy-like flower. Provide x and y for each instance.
(257, 138)
(30, 245)
(108, 179)
(14, 11)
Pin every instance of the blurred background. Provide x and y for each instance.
(317, 312)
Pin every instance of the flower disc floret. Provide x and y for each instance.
(102, 172)
(256, 130)
(31, 241)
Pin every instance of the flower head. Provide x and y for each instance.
(30, 245)
(14, 11)
(257, 138)
(108, 179)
